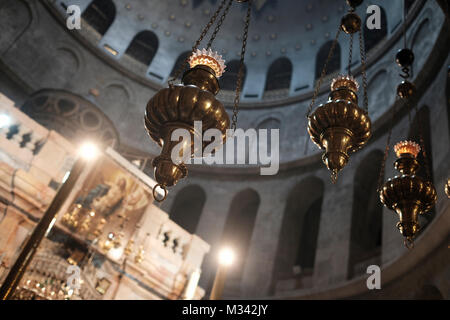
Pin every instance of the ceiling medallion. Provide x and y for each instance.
(179, 106)
(340, 126)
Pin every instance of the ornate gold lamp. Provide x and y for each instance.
(179, 106)
(408, 194)
(340, 126)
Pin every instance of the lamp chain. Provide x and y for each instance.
(386, 152)
(241, 67)
(350, 55)
(363, 71)
(324, 70)
(219, 24)
(197, 43)
(422, 145)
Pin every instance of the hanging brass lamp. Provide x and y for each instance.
(408, 194)
(179, 106)
(340, 126)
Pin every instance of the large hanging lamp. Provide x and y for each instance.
(179, 106)
(340, 126)
(408, 194)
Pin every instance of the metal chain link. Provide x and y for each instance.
(197, 43)
(422, 145)
(386, 152)
(364, 75)
(237, 97)
(324, 70)
(350, 56)
(219, 24)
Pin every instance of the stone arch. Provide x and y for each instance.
(72, 116)
(335, 62)
(375, 36)
(100, 15)
(376, 91)
(187, 207)
(238, 229)
(143, 47)
(367, 210)
(421, 43)
(299, 233)
(228, 80)
(15, 19)
(181, 60)
(279, 75)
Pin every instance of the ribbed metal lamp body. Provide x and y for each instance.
(339, 127)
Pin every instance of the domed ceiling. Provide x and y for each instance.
(291, 37)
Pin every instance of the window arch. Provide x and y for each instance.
(367, 212)
(143, 47)
(238, 228)
(374, 36)
(299, 231)
(322, 55)
(188, 206)
(279, 75)
(100, 15)
(229, 79)
(180, 62)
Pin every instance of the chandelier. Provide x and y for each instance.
(447, 188)
(340, 126)
(179, 106)
(409, 195)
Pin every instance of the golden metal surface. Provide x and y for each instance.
(178, 107)
(447, 188)
(409, 195)
(339, 127)
(351, 23)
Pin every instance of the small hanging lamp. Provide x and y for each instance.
(179, 106)
(340, 126)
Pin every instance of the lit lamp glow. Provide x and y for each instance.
(88, 151)
(407, 147)
(226, 259)
(208, 58)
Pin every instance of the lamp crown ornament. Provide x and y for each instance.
(210, 59)
(407, 147)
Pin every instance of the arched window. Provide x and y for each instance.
(322, 55)
(238, 229)
(100, 15)
(279, 75)
(180, 62)
(421, 126)
(187, 207)
(228, 80)
(366, 225)
(373, 36)
(143, 47)
(299, 232)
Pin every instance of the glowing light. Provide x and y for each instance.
(88, 151)
(208, 58)
(5, 120)
(407, 147)
(226, 257)
(345, 81)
